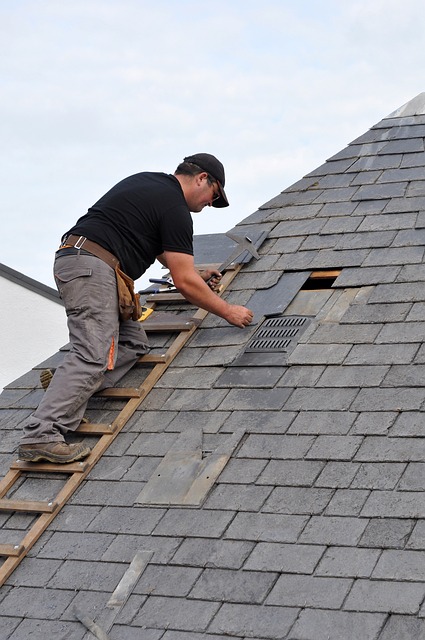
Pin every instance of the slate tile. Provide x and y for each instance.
(346, 562)
(312, 354)
(126, 520)
(366, 239)
(142, 468)
(386, 221)
(189, 378)
(337, 195)
(217, 356)
(398, 504)
(274, 446)
(33, 572)
(353, 376)
(314, 624)
(402, 174)
(298, 500)
(307, 591)
(329, 167)
(197, 400)
(381, 354)
(385, 449)
(290, 473)
(373, 423)
(417, 537)
(93, 576)
(249, 619)
(242, 471)
(121, 632)
(337, 475)
(366, 177)
(39, 603)
(124, 547)
(295, 212)
(369, 313)
(300, 376)
(334, 447)
(203, 552)
(400, 627)
(384, 596)
(161, 580)
(259, 377)
(391, 399)
(339, 209)
(266, 527)
(75, 546)
(152, 444)
(243, 399)
(381, 475)
(236, 497)
(402, 376)
(223, 585)
(329, 333)
(41, 629)
(373, 163)
(99, 492)
(413, 478)
(333, 530)
(394, 256)
(342, 225)
(381, 191)
(402, 205)
(204, 524)
(317, 399)
(370, 207)
(417, 312)
(176, 613)
(413, 160)
(347, 502)
(400, 565)
(286, 558)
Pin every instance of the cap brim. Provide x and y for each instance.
(222, 201)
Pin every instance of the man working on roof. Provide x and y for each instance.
(142, 218)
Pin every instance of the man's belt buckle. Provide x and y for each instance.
(79, 244)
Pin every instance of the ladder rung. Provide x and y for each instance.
(28, 506)
(14, 550)
(154, 358)
(118, 392)
(95, 429)
(50, 467)
(166, 297)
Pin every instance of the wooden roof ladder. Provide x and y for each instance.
(44, 511)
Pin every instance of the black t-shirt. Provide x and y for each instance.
(139, 218)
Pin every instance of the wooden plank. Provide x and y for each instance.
(28, 506)
(49, 467)
(165, 297)
(325, 274)
(153, 358)
(168, 322)
(8, 481)
(91, 428)
(14, 550)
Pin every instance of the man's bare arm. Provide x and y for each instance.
(195, 290)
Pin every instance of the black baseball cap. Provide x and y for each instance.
(215, 169)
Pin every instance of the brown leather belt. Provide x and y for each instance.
(80, 242)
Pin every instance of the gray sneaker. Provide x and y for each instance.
(60, 452)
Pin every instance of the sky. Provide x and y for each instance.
(92, 91)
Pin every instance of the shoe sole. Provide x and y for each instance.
(36, 456)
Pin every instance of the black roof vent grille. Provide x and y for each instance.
(277, 334)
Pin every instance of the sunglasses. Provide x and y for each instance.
(213, 183)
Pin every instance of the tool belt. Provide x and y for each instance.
(128, 300)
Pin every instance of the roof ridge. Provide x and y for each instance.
(415, 107)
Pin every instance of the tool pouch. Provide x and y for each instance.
(129, 301)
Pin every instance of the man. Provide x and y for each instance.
(144, 217)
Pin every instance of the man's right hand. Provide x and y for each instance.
(239, 316)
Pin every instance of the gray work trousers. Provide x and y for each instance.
(102, 350)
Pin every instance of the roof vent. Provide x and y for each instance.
(277, 334)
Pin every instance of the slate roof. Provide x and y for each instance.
(315, 528)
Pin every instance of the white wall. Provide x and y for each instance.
(32, 328)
